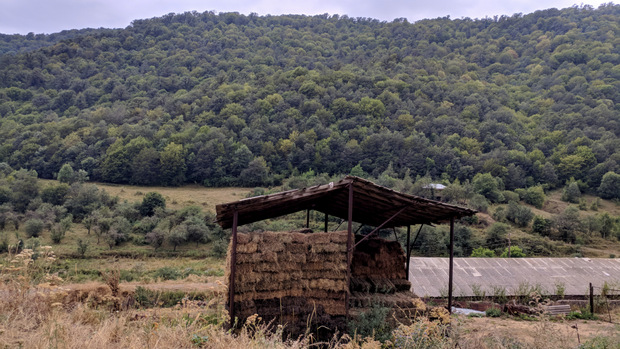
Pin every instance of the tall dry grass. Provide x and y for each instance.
(35, 312)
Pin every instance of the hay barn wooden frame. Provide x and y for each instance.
(352, 199)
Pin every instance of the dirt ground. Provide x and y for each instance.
(536, 334)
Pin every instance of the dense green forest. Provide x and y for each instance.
(228, 99)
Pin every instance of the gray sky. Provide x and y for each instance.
(50, 16)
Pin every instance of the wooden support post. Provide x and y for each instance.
(408, 249)
(591, 299)
(233, 269)
(326, 221)
(451, 274)
(349, 248)
(308, 218)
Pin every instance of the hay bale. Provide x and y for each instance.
(327, 248)
(270, 237)
(247, 259)
(319, 238)
(247, 248)
(338, 237)
(299, 238)
(243, 238)
(275, 246)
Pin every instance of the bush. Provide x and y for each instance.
(571, 193)
(541, 226)
(493, 312)
(372, 323)
(167, 273)
(519, 214)
(610, 186)
(479, 203)
(535, 196)
(510, 196)
(82, 247)
(150, 202)
(482, 252)
(34, 227)
(515, 252)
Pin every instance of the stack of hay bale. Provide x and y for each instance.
(291, 278)
(378, 276)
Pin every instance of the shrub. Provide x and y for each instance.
(510, 195)
(610, 186)
(57, 233)
(34, 227)
(479, 203)
(541, 226)
(519, 214)
(535, 196)
(515, 252)
(372, 323)
(496, 234)
(571, 193)
(493, 312)
(482, 252)
(167, 273)
(155, 238)
(219, 248)
(150, 202)
(82, 247)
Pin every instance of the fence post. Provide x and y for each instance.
(591, 299)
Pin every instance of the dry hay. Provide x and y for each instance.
(379, 277)
(293, 278)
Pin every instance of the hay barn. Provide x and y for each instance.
(304, 279)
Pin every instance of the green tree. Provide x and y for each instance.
(66, 174)
(177, 236)
(567, 224)
(571, 193)
(173, 167)
(519, 214)
(24, 188)
(496, 234)
(488, 186)
(150, 202)
(34, 227)
(610, 186)
(256, 174)
(55, 194)
(145, 167)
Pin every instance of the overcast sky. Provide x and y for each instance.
(50, 16)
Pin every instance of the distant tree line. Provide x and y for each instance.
(525, 101)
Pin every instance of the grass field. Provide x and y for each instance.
(176, 197)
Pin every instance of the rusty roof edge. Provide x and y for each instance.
(411, 197)
(223, 211)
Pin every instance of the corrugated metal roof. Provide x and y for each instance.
(372, 205)
(429, 276)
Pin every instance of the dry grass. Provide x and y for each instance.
(176, 197)
(179, 197)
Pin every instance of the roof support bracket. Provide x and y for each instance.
(379, 227)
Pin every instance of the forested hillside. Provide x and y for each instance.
(227, 99)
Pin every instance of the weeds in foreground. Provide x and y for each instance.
(36, 313)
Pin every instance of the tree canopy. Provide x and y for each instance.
(229, 99)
